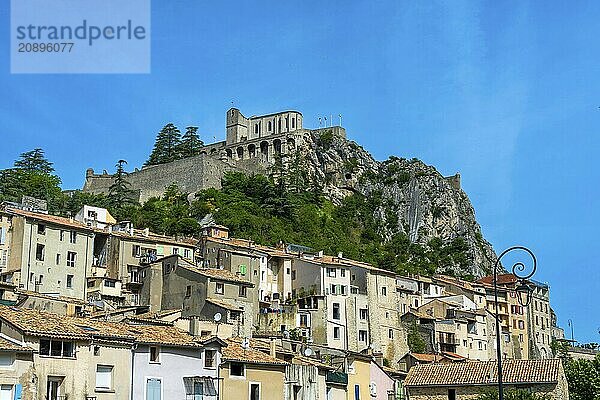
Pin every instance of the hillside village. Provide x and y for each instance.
(94, 308)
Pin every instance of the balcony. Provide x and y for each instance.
(340, 378)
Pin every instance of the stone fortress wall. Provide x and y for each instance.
(251, 147)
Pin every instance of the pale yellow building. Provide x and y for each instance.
(249, 374)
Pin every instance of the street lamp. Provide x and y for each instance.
(523, 291)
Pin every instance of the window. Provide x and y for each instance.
(336, 310)
(71, 258)
(390, 333)
(236, 369)
(39, 252)
(2, 236)
(363, 313)
(451, 394)
(73, 237)
(96, 351)
(186, 253)
(219, 288)
(108, 283)
(6, 360)
(154, 354)
(188, 291)
(209, 358)
(336, 332)
(243, 291)
(254, 391)
(303, 320)
(331, 272)
(362, 336)
(243, 269)
(294, 275)
(175, 250)
(70, 281)
(104, 374)
(342, 272)
(41, 279)
(58, 258)
(56, 348)
(521, 324)
(41, 229)
(62, 235)
(384, 291)
(342, 289)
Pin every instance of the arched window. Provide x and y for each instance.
(269, 126)
(256, 128)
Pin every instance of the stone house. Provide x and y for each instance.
(16, 369)
(267, 267)
(72, 357)
(169, 363)
(120, 252)
(459, 326)
(46, 253)
(250, 374)
(467, 380)
(175, 283)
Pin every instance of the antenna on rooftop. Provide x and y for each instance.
(340, 115)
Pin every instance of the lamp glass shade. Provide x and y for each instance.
(524, 294)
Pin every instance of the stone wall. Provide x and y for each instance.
(557, 392)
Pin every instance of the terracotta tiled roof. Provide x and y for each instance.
(51, 219)
(163, 335)
(7, 345)
(38, 323)
(503, 279)
(64, 299)
(235, 352)
(302, 360)
(484, 373)
(427, 358)
(213, 273)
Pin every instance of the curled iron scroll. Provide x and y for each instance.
(519, 267)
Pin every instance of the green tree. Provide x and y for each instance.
(190, 145)
(166, 146)
(32, 175)
(416, 343)
(120, 193)
(34, 161)
(584, 379)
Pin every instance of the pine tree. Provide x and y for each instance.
(190, 143)
(120, 192)
(166, 145)
(34, 161)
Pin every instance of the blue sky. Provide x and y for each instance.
(506, 93)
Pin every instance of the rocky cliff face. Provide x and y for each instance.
(415, 198)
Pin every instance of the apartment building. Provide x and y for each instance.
(46, 253)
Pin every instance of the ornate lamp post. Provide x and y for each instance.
(523, 291)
